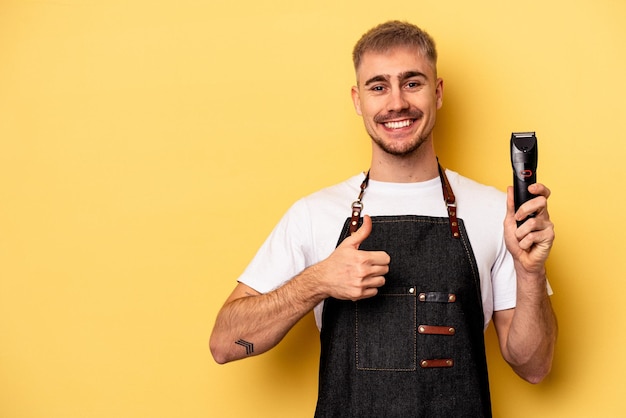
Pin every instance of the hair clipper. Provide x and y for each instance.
(524, 162)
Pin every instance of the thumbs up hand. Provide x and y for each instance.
(353, 274)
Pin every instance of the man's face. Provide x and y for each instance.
(397, 95)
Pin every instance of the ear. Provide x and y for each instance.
(439, 92)
(356, 100)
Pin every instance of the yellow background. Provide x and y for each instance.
(148, 148)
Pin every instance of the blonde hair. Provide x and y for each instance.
(394, 34)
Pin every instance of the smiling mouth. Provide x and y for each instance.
(398, 124)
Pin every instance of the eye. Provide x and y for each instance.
(414, 84)
(378, 88)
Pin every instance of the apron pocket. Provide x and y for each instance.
(385, 330)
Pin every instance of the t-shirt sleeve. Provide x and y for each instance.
(503, 279)
(282, 255)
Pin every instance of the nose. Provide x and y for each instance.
(397, 101)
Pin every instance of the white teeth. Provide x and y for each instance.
(398, 125)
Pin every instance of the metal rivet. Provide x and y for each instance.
(449, 362)
(355, 213)
(421, 329)
(353, 222)
(412, 290)
(456, 234)
(424, 363)
(451, 298)
(451, 330)
(454, 223)
(422, 297)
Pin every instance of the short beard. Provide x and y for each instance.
(401, 152)
(413, 114)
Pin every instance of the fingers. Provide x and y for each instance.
(536, 206)
(539, 190)
(535, 231)
(368, 292)
(530, 243)
(367, 287)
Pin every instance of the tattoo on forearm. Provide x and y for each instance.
(247, 345)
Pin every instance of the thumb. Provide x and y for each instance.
(510, 206)
(360, 234)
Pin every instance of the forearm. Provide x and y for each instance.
(531, 338)
(254, 323)
(251, 323)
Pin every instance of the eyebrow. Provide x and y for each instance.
(402, 76)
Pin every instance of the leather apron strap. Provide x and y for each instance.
(448, 198)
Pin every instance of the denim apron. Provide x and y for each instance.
(416, 349)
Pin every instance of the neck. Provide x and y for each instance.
(416, 167)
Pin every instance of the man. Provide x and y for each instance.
(403, 299)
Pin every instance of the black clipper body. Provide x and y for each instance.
(524, 162)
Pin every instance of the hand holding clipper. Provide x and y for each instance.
(524, 162)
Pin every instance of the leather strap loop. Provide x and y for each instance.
(435, 330)
(437, 297)
(430, 363)
(357, 206)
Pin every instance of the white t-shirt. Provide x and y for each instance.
(309, 231)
